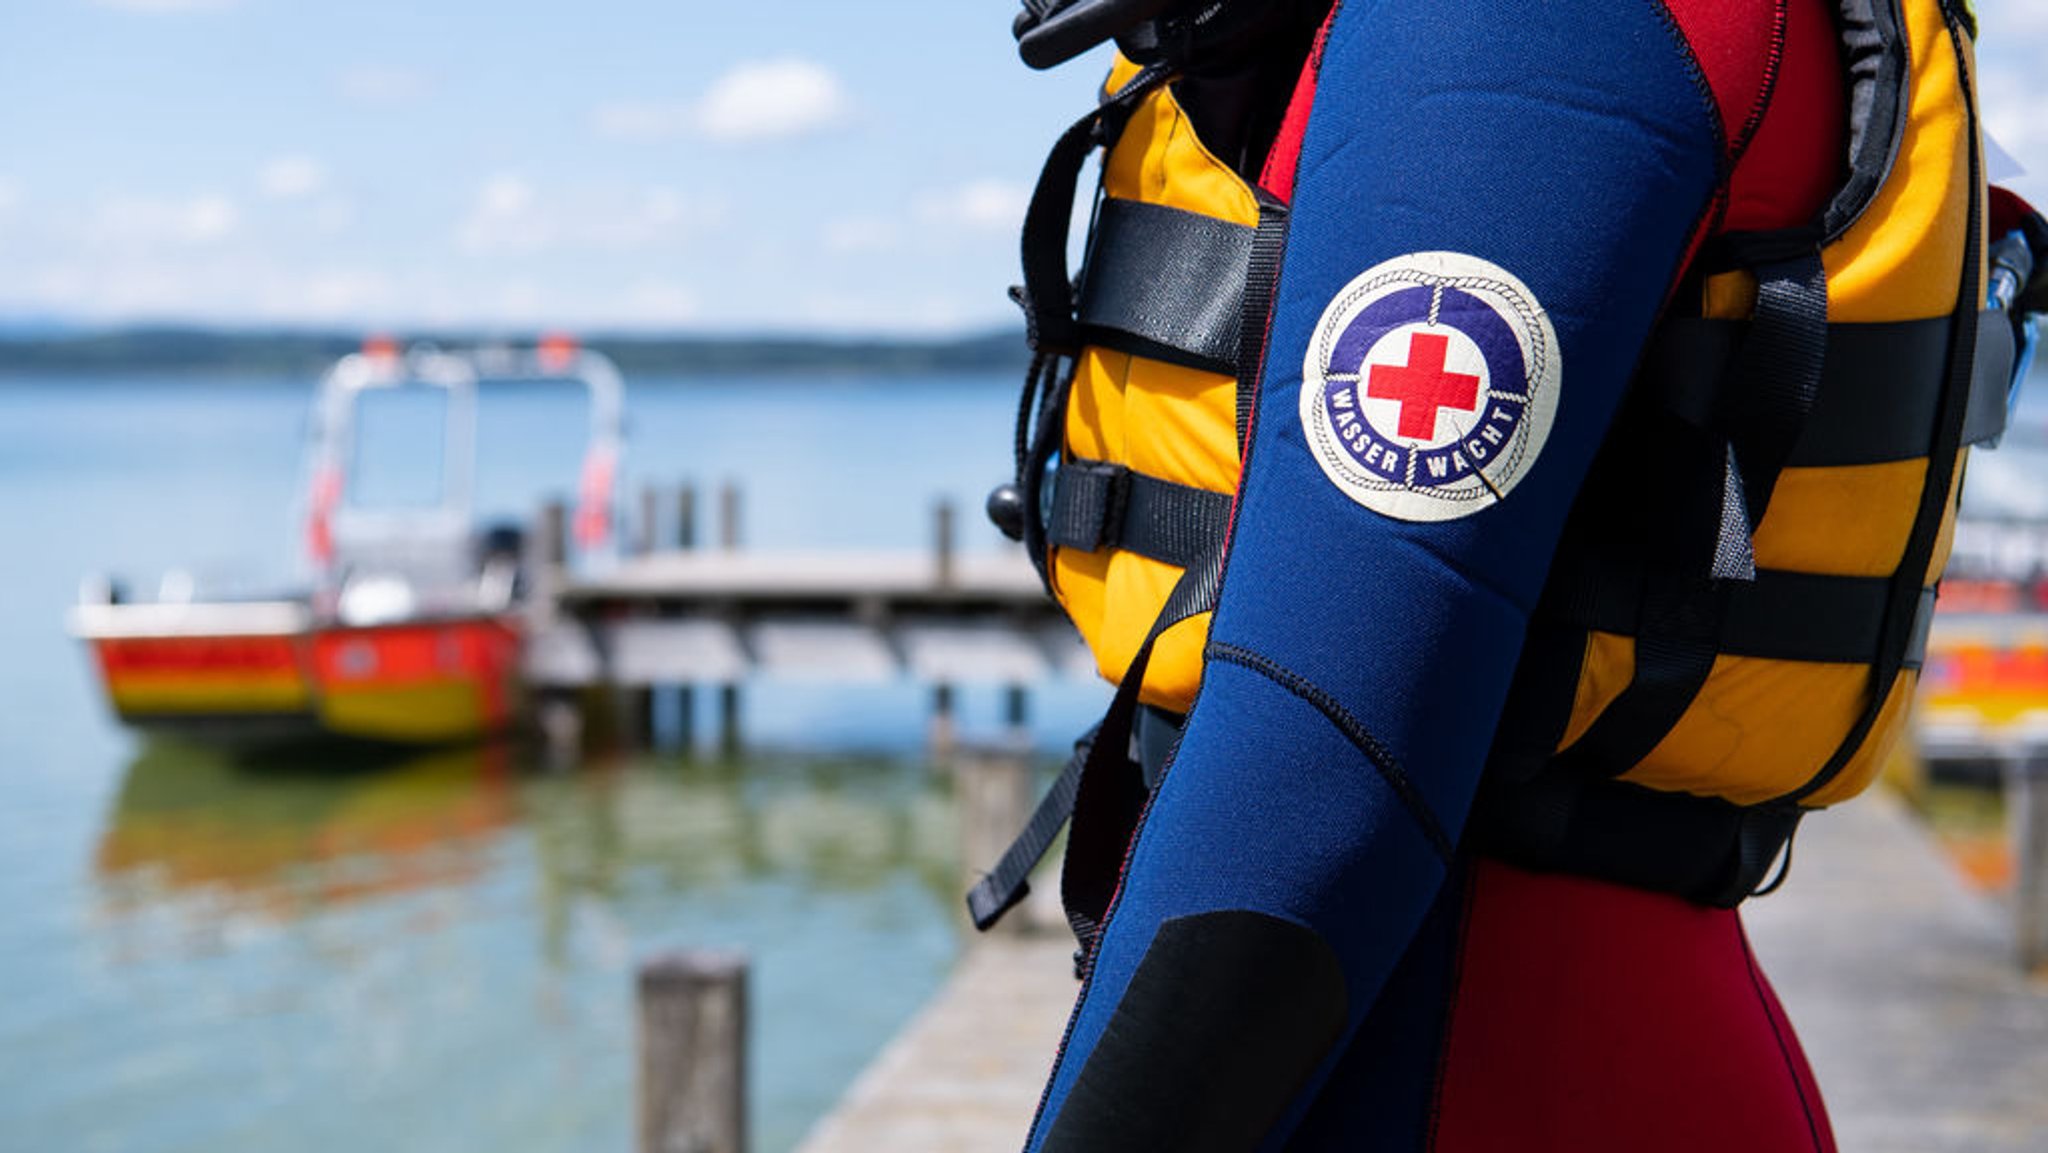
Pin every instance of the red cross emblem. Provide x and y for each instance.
(1421, 386)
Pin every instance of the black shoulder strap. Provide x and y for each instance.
(1047, 295)
(1903, 621)
(1099, 787)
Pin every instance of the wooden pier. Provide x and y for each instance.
(674, 616)
(1924, 1036)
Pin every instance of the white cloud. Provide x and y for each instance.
(148, 222)
(383, 87)
(10, 195)
(772, 99)
(758, 100)
(503, 218)
(981, 205)
(510, 216)
(291, 177)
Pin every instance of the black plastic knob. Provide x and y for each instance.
(1006, 510)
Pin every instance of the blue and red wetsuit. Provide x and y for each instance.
(1298, 956)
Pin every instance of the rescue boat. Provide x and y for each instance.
(1984, 689)
(413, 628)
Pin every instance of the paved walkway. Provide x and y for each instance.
(1900, 981)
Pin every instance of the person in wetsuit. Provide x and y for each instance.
(1492, 204)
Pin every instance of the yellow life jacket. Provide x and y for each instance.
(1725, 642)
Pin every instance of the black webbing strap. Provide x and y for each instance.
(1787, 616)
(1099, 787)
(1110, 798)
(1880, 384)
(1097, 505)
(1703, 849)
(1166, 284)
(1904, 620)
(1778, 373)
(1262, 279)
(1047, 295)
(1009, 881)
(1663, 576)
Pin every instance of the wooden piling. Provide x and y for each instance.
(729, 719)
(2026, 792)
(686, 516)
(686, 717)
(943, 734)
(693, 1053)
(650, 522)
(547, 560)
(992, 786)
(1017, 712)
(943, 544)
(729, 516)
(558, 714)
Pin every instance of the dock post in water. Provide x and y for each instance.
(686, 539)
(729, 516)
(942, 544)
(693, 1053)
(636, 702)
(2026, 792)
(1017, 713)
(686, 516)
(943, 735)
(729, 719)
(992, 787)
(547, 557)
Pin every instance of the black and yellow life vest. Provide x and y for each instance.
(1732, 627)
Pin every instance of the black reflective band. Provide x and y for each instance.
(1166, 284)
(1097, 506)
(1879, 388)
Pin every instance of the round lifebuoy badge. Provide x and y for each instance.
(1430, 385)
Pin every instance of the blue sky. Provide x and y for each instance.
(606, 164)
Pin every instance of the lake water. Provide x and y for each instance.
(437, 954)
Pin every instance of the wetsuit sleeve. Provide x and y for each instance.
(1565, 156)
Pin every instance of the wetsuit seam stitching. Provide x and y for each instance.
(1767, 88)
(1724, 151)
(1341, 718)
(1778, 1035)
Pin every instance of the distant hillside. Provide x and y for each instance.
(192, 351)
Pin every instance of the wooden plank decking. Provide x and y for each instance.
(1924, 1036)
(718, 616)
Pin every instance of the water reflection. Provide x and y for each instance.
(287, 838)
(450, 940)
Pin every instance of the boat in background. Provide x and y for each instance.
(1984, 687)
(413, 630)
